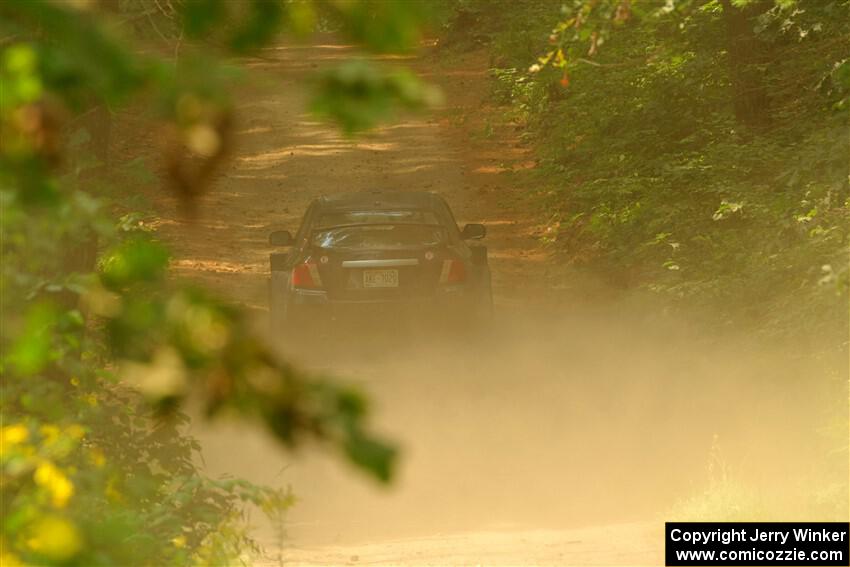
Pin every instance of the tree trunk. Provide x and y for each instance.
(746, 53)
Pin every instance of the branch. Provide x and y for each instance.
(611, 65)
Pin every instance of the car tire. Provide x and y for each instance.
(485, 303)
(277, 295)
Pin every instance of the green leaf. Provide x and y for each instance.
(385, 26)
(199, 16)
(358, 95)
(137, 260)
(374, 456)
(263, 22)
(31, 351)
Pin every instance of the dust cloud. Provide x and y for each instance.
(551, 418)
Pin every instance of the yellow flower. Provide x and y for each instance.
(27, 451)
(13, 435)
(112, 492)
(9, 560)
(91, 400)
(76, 431)
(179, 541)
(61, 489)
(55, 538)
(49, 432)
(97, 458)
(75, 381)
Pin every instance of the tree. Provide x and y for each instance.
(98, 347)
(746, 52)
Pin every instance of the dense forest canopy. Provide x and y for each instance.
(699, 149)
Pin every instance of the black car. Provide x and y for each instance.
(378, 257)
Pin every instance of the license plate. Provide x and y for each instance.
(380, 278)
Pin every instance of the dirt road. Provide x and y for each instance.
(514, 445)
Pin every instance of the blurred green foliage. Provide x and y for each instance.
(357, 95)
(99, 345)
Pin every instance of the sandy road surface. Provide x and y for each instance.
(513, 442)
(621, 544)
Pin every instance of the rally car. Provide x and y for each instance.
(376, 258)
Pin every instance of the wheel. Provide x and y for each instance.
(277, 295)
(487, 304)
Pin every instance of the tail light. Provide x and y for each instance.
(306, 276)
(453, 272)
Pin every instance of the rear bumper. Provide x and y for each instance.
(447, 303)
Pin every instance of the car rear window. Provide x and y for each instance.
(379, 236)
(347, 218)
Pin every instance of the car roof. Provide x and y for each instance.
(379, 200)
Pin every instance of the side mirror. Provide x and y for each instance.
(474, 232)
(280, 238)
